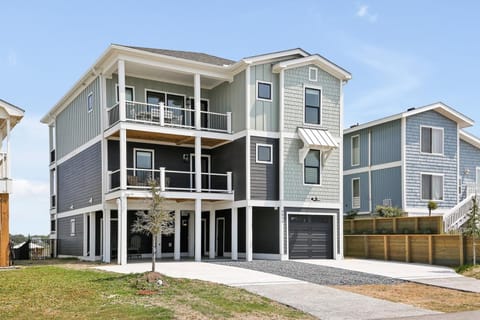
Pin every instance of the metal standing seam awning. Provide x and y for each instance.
(316, 139)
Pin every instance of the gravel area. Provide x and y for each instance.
(312, 273)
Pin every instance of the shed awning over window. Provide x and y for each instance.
(316, 139)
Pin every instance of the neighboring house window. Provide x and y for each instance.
(54, 188)
(432, 140)
(312, 74)
(312, 167)
(264, 91)
(90, 102)
(356, 193)
(312, 106)
(72, 227)
(355, 150)
(129, 94)
(143, 168)
(432, 187)
(264, 153)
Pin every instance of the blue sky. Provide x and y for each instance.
(401, 54)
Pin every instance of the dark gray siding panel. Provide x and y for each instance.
(387, 184)
(231, 157)
(387, 142)
(79, 179)
(264, 177)
(265, 230)
(68, 244)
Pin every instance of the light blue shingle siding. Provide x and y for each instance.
(387, 184)
(347, 192)
(417, 163)
(387, 142)
(469, 159)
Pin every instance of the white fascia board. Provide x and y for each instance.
(317, 60)
(372, 123)
(275, 55)
(469, 138)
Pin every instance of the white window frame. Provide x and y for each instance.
(319, 168)
(271, 90)
(305, 87)
(73, 227)
(351, 150)
(421, 185)
(117, 90)
(310, 78)
(359, 195)
(443, 140)
(145, 150)
(90, 102)
(267, 146)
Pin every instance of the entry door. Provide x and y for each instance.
(205, 169)
(220, 239)
(204, 237)
(204, 116)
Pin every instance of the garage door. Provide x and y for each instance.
(310, 237)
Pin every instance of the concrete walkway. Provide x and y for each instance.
(320, 301)
(422, 273)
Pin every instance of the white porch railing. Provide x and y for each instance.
(172, 180)
(458, 215)
(170, 116)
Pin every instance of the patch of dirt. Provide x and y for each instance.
(423, 296)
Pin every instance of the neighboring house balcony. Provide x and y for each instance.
(5, 181)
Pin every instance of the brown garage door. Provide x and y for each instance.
(310, 237)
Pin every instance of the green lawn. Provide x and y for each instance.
(63, 293)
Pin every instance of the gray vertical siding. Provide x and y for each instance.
(469, 160)
(264, 177)
(68, 244)
(347, 149)
(417, 163)
(263, 114)
(75, 125)
(347, 187)
(387, 184)
(79, 179)
(387, 142)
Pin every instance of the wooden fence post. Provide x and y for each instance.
(430, 249)
(352, 226)
(374, 225)
(365, 245)
(461, 250)
(385, 247)
(407, 249)
(394, 223)
(416, 225)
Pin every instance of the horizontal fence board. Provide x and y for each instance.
(398, 225)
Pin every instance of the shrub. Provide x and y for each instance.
(351, 214)
(389, 212)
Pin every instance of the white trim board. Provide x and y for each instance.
(78, 150)
(376, 167)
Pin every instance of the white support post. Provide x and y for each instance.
(8, 149)
(249, 233)
(176, 248)
(229, 122)
(106, 235)
(229, 181)
(162, 114)
(196, 89)
(198, 164)
(123, 159)
(191, 234)
(162, 179)
(281, 231)
(235, 233)
(92, 235)
(198, 229)
(122, 230)
(121, 91)
(85, 234)
(211, 246)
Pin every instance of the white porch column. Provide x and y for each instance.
(122, 230)
(196, 85)
(123, 159)
(198, 229)
(281, 230)
(8, 149)
(176, 248)
(234, 233)
(121, 90)
(191, 234)
(248, 236)
(106, 235)
(198, 164)
(211, 246)
(85, 234)
(92, 235)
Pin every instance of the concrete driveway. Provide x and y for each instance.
(321, 301)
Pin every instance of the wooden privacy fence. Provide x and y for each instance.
(441, 249)
(403, 225)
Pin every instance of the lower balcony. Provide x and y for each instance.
(172, 180)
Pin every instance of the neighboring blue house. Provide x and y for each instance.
(410, 158)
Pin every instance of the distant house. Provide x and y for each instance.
(410, 158)
(247, 154)
(10, 116)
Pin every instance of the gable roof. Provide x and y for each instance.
(448, 112)
(13, 108)
(187, 55)
(470, 138)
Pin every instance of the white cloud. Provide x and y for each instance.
(363, 13)
(27, 189)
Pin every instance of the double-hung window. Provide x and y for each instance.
(313, 108)
(129, 94)
(432, 187)
(356, 193)
(432, 140)
(355, 150)
(311, 165)
(143, 167)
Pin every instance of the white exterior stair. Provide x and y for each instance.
(458, 215)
